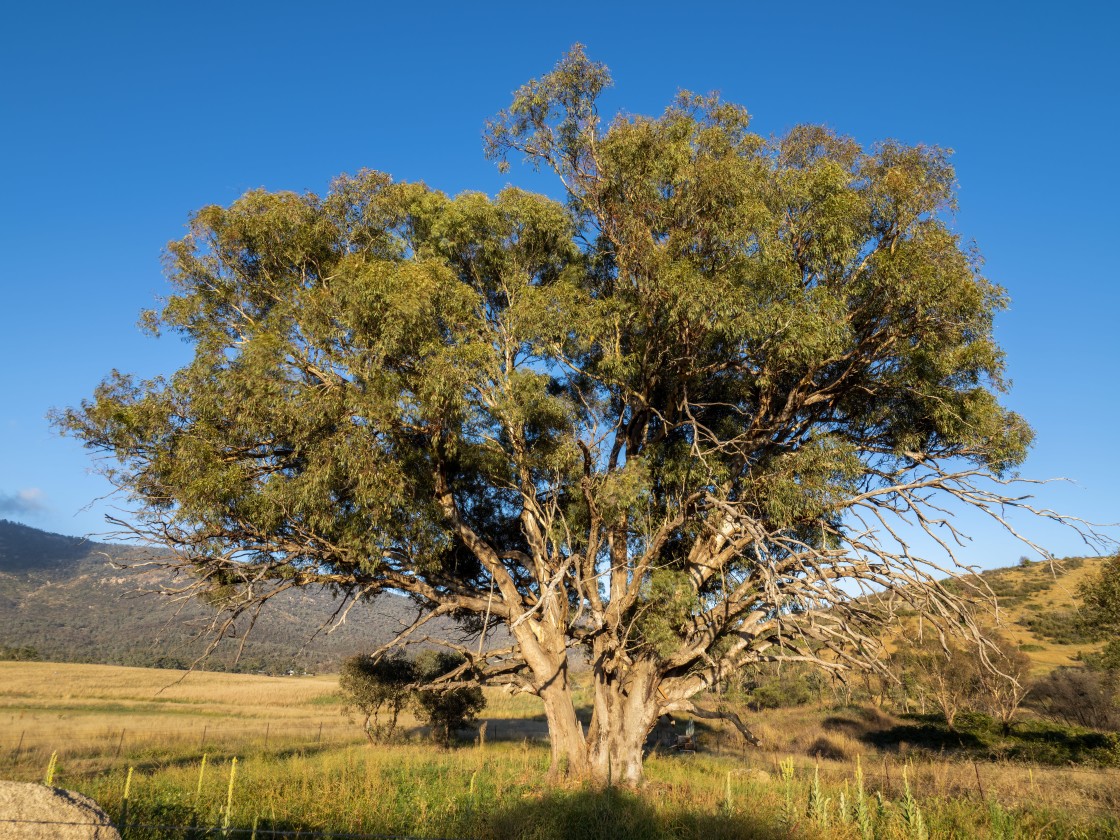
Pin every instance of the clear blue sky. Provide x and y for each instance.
(118, 119)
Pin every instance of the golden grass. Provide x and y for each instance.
(296, 774)
(93, 714)
(804, 733)
(1058, 591)
(1060, 594)
(47, 683)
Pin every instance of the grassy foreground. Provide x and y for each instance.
(301, 767)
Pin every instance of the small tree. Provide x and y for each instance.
(1078, 696)
(943, 671)
(1005, 683)
(1100, 616)
(370, 686)
(445, 709)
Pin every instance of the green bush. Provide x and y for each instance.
(19, 654)
(1060, 626)
(449, 709)
(773, 688)
(370, 687)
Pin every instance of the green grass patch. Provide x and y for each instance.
(976, 736)
(497, 792)
(331, 699)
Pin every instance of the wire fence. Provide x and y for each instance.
(113, 742)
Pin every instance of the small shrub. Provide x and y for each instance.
(1059, 626)
(19, 654)
(449, 709)
(370, 687)
(781, 689)
(1078, 696)
(833, 749)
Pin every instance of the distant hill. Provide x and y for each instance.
(1037, 602)
(61, 597)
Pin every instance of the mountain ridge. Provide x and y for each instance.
(78, 600)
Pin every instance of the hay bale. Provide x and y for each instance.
(37, 812)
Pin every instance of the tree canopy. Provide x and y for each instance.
(1099, 613)
(678, 421)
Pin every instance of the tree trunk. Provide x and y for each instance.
(565, 732)
(625, 712)
(616, 756)
(366, 729)
(547, 656)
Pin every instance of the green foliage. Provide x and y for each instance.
(445, 709)
(370, 686)
(669, 604)
(1059, 625)
(911, 812)
(1100, 601)
(1013, 586)
(1107, 659)
(777, 687)
(23, 653)
(1079, 696)
(817, 807)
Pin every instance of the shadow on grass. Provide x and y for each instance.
(219, 757)
(616, 814)
(927, 732)
(510, 729)
(612, 814)
(977, 736)
(1057, 746)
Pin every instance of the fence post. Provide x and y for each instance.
(120, 743)
(319, 737)
(980, 784)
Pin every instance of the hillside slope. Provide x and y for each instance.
(62, 597)
(1037, 602)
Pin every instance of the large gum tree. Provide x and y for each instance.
(678, 423)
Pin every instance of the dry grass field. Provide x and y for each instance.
(303, 767)
(1054, 590)
(92, 715)
(820, 772)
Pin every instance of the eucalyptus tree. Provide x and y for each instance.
(678, 421)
